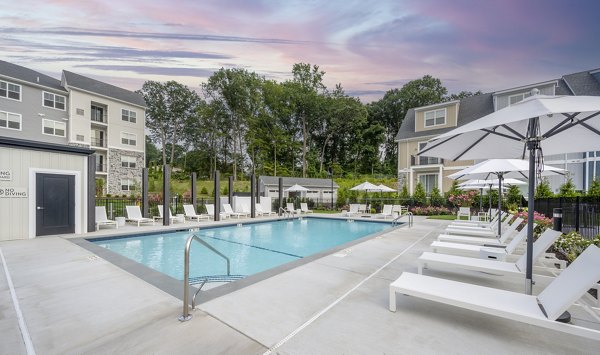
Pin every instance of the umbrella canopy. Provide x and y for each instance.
(508, 168)
(493, 183)
(296, 188)
(556, 124)
(384, 188)
(366, 186)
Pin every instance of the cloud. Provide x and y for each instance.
(153, 70)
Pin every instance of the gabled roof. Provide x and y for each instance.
(91, 85)
(470, 109)
(18, 72)
(583, 83)
(305, 182)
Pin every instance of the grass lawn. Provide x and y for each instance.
(447, 217)
(326, 211)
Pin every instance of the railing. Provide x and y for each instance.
(579, 214)
(287, 214)
(101, 168)
(410, 219)
(419, 161)
(101, 119)
(98, 142)
(186, 276)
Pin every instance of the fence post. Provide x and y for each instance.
(145, 192)
(217, 193)
(577, 214)
(280, 196)
(166, 192)
(194, 192)
(252, 196)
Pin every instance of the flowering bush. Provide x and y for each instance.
(430, 211)
(572, 244)
(541, 222)
(463, 199)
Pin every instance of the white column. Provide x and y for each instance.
(441, 176)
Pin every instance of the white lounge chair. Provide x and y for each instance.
(385, 212)
(489, 223)
(190, 213)
(399, 209)
(462, 212)
(541, 310)
(304, 208)
(466, 239)
(229, 211)
(428, 260)
(134, 214)
(478, 231)
(290, 208)
(353, 210)
(363, 209)
(102, 219)
(261, 212)
(173, 219)
(210, 210)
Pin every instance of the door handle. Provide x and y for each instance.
(40, 208)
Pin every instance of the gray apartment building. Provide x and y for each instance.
(424, 123)
(77, 111)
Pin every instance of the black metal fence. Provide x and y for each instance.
(580, 214)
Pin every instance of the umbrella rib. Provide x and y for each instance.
(513, 131)
(581, 121)
(569, 118)
(500, 134)
(435, 145)
(471, 146)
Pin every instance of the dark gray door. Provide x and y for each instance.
(55, 204)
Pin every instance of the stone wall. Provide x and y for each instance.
(116, 172)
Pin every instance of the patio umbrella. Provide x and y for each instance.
(366, 186)
(501, 169)
(556, 124)
(296, 188)
(481, 184)
(384, 188)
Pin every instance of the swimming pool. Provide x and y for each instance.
(251, 248)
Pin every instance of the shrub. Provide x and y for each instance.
(513, 196)
(463, 199)
(436, 198)
(430, 211)
(543, 189)
(204, 191)
(567, 189)
(419, 196)
(594, 190)
(572, 244)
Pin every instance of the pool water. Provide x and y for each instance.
(251, 248)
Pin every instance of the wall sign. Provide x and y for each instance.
(13, 192)
(5, 175)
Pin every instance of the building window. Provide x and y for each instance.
(10, 90)
(435, 118)
(128, 138)
(54, 101)
(429, 181)
(427, 160)
(128, 116)
(10, 120)
(128, 162)
(54, 128)
(97, 113)
(128, 185)
(513, 99)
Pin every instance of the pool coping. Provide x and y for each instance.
(175, 287)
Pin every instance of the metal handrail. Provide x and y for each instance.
(186, 275)
(285, 212)
(410, 219)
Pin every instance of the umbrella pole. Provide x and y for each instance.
(490, 204)
(481, 199)
(500, 204)
(532, 146)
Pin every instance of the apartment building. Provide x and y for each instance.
(424, 123)
(77, 111)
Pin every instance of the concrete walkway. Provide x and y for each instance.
(75, 302)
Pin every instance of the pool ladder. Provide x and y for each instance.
(410, 219)
(287, 214)
(186, 278)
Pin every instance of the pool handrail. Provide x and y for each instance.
(186, 276)
(410, 219)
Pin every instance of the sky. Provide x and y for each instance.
(368, 46)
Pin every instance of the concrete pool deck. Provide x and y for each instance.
(73, 301)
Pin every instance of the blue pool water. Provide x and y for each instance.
(251, 248)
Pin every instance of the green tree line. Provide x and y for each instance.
(242, 123)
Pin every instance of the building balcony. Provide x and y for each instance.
(101, 168)
(421, 161)
(98, 142)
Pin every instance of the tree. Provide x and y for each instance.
(419, 196)
(594, 190)
(152, 153)
(169, 107)
(436, 197)
(513, 196)
(543, 189)
(461, 95)
(567, 189)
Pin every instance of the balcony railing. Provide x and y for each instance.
(101, 168)
(418, 160)
(101, 119)
(99, 142)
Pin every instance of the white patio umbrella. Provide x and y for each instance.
(385, 188)
(501, 169)
(296, 188)
(491, 184)
(366, 186)
(556, 124)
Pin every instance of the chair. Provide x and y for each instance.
(463, 211)
(290, 208)
(386, 212)
(466, 239)
(478, 231)
(171, 217)
(190, 213)
(102, 219)
(363, 209)
(259, 210)
(134, 214)
(229, 211)
(541, 310)
(427, 259)
(353, 210)
(399, 209)
(304, 208)
(210, 210)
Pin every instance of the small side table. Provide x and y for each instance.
(120, 221)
